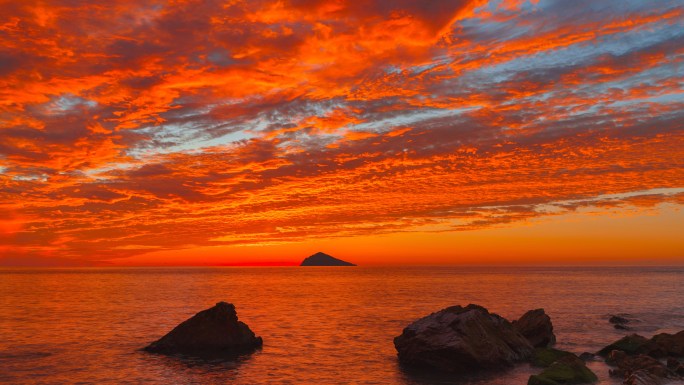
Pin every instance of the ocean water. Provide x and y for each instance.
(323, 325)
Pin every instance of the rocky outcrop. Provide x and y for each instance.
(568, 369)
(660, 346)
(211, 332)
(323, 259)
(638, 368)
(637, 358)
(631, 344)
(462, 340)
(536, 326)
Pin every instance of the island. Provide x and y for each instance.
(323, 259)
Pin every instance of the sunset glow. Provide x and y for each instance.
(385, 132)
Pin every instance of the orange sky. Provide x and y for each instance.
(406, 132)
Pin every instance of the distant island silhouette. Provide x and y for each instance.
(323, 259)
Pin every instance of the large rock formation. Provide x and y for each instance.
(323, 259)
(536, 326)
(211, 332)
(462, 340)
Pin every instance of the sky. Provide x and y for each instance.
(242, 132)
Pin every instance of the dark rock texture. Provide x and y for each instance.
(631, 344)
(660, 346)
(544, 357)
(536, 326)
(566, 370)
(628, 365)
(462, 340)
(211, 332)
(322, 259)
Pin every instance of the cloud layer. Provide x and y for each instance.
(130, 126)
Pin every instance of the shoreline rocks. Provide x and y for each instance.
(470, 340)
(212, 332)
(638, 359)
(462, 340)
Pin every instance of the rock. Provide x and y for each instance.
(629, 366)
(322, 259)
(680, 370)
(462, 340)
(567, 370)
(664, 344)
(544, 357)
(211, 332)
(660, 346)
(672, 363)
(615, 319)
(536, 326)
(642, 377)
(621, 327)
(630, 344)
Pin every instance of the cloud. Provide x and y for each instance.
(133, 126)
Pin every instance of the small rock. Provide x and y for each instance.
(211, 332)
(586, 356)
(462, 340)
(567, 370)
(615, 319)
(621, 327)
(536, 326)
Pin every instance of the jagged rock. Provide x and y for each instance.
(536, 326)
(323, 259)
(211, 332)
(567, 370)
(462, 340)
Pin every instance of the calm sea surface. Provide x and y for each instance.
(319, 325)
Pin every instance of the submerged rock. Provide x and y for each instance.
(567, 370)
(462, 340)
(323, 259)
(544, 357)
(617, 320)
(211, 332)
(536, 326)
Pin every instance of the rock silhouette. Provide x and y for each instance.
(323, 259)
(462, 340)
(212, 332)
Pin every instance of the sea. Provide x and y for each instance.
(320, 325)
